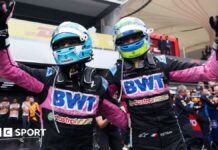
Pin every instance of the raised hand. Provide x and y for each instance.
(214, 24)
(6, 11)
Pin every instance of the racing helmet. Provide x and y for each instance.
(80, 47)
(131, 27)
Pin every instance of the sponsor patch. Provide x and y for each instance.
(50, 71)
(162, 58)
(151, 100)
(70, 121)
(74, 101)
(143, 84)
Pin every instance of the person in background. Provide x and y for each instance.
(183, 109)
(168, 45)
(214, 117)
(4, 111)
(25, 114)
(201, 102)
(161, 46)
(14, 113)
(34, 115)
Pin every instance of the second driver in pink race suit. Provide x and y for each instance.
(70, 93)
(142, 80)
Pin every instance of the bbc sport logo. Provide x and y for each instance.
(6, 132)
(9, 132)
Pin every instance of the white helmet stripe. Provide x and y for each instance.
(71, 30)
(132, 27)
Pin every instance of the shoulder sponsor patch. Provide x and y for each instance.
(113, 69)
(104, 83)
(50, 71)
(162, 58)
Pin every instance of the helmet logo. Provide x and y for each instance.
(84, 37)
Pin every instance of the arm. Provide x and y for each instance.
(184, 72)
(10, 71)
(8, 68)
(101, 122)
(113, 113)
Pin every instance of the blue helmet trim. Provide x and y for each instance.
(128, 33)
(69, 55)
(132, 46)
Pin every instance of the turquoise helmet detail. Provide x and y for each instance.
(131, 27)
(81, 51)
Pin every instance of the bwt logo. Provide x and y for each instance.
(143, 84)
(9, 132)
(73, 101)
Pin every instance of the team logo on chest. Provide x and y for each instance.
(75, 101)
(144, 84)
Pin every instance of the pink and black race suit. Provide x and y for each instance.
(145, 90)
(68, 107)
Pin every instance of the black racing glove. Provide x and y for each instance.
(214, 25)
(6, 10)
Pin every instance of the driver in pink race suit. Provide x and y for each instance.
(70, 94)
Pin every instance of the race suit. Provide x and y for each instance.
(67, 107)
(145, 89)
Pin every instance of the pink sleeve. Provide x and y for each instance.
(205, 72)
(10, 71)
(114, 114)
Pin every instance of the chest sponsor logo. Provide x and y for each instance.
(146, 101)
(68, 120)
(143, 84)
(74, 100)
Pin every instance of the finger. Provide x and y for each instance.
(10, 9)
(216, 20)
(11, 6)
(211, 21)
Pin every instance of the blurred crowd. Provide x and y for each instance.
(197, 113)
(12, 112)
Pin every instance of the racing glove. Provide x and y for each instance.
(214, 25)
(6, 10)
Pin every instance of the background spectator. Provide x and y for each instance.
(25, 114)
(168, 45)
(183, 109)
(4, 111)
(34, 115)
(214, 118)
(161, 45)
(14, 113)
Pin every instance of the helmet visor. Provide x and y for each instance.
(130, 39)
(66, 42)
